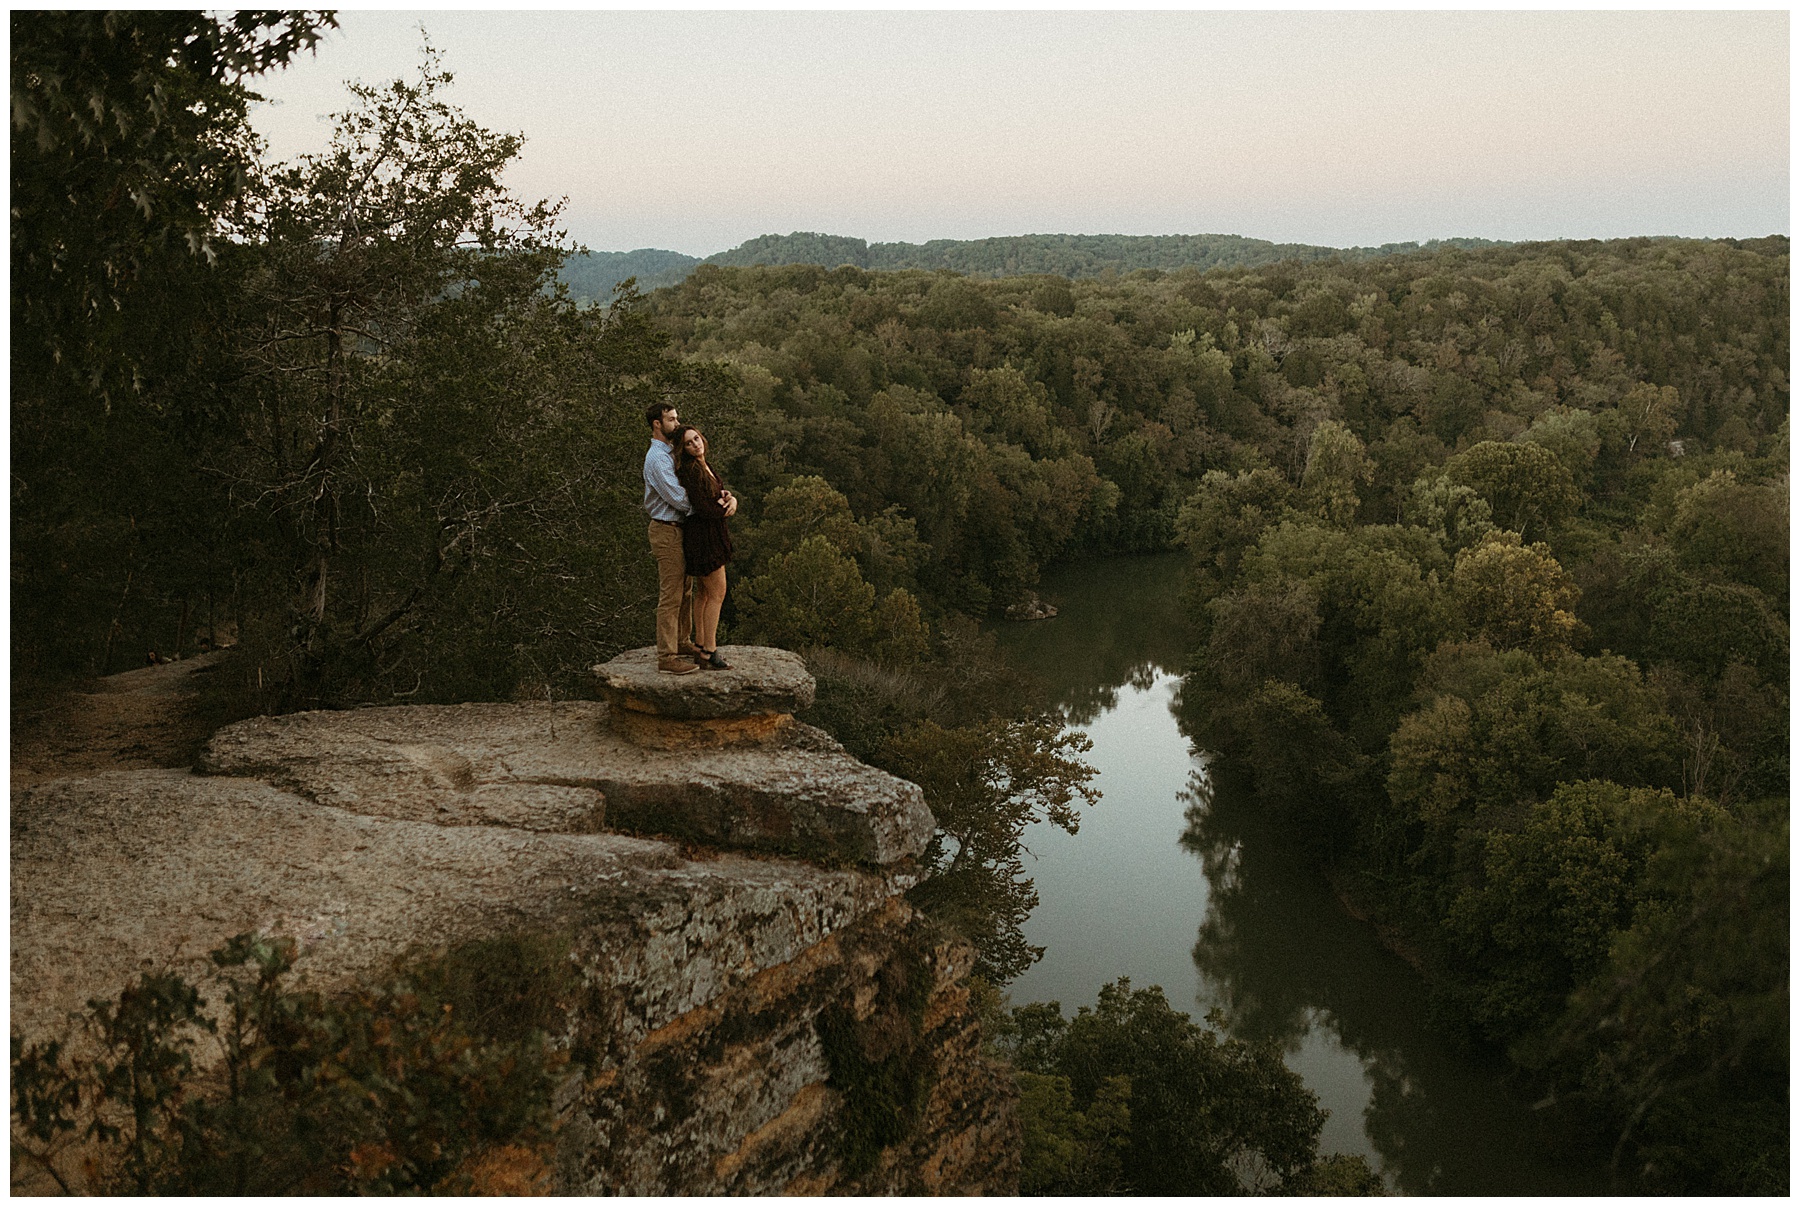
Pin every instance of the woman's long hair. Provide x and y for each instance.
(685, 459)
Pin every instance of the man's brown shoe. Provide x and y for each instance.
(675, 666)
(690, 650)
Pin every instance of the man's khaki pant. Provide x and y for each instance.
(674, 603)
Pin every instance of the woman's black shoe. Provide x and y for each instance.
(715, 663)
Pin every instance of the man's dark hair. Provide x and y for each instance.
(655, 411)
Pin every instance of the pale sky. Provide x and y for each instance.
(694, 131)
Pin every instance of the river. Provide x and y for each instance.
(1169, 886)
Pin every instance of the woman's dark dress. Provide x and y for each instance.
(705, 540)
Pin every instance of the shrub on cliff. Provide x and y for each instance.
(985, 783)
(967, 730)
(411, 1085)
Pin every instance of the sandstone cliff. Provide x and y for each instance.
(727, 882)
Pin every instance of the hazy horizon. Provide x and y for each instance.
(620, 251)
(697, 131)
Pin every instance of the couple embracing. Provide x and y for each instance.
(688, 506)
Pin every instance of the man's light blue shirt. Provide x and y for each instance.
(664, 496)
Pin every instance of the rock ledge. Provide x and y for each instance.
(566, 769)
(761, 682)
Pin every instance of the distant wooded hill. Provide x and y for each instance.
(593, 275)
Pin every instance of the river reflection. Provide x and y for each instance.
(1170, 886)
(1281, 958)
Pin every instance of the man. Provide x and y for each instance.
(667, 502)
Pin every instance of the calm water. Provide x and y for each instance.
(1170, 887)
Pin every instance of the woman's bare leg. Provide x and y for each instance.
(707, 607)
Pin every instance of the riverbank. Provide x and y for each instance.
(1175, 880)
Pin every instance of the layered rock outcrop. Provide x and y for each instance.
(731, 897)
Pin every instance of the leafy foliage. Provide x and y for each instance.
(1527, 489)
(390, 1088)
(129, 143)
(130, 155)
(1515, 596)
(1131, 1096)
(1069, 1151)
(1684, 1032)
(1541, 918)
(1064, 255)
(985, 783)
(1509, 718)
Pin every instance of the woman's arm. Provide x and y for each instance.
(702, 497)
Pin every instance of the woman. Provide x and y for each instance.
(705, 540)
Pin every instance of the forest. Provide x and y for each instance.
(591, 276)
(1057, 255)
(1488, 544)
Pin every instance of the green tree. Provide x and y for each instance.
(1305, 768)
(900, 635)
(1456, 515)
(403, 216)
(1006, 405)
(1336, 465)
(1066, 1151)
(807, 506)
(130, 148)
(1708, 627)
(1574, 436)
(131, 161)
(1555, 894)
(924, 461)
(1516, 596)
(1381, 608)
(1207, 1116)
(889, 549)
(985, 783)
(1266, 630)
(812, 596)
(1683, 1036)
(1228, 514)
(1735, 530)
(1528, 489)
(1500, 730)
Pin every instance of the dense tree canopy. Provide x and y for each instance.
(1063, 255)
(1025, 418)
(1509, 668)
(591, 276)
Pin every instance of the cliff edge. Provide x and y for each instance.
(727, 881)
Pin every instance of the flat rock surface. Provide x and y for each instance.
(559, 768)
(761, 680)
(115, 870)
